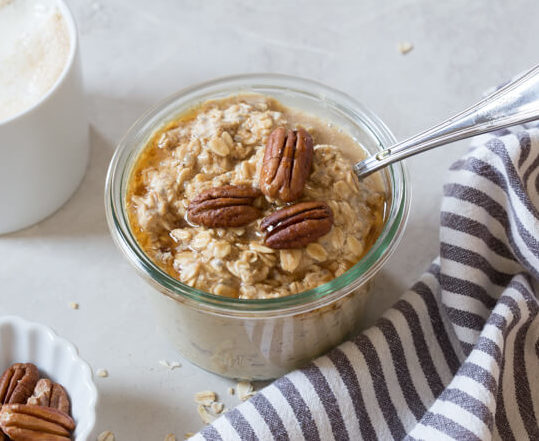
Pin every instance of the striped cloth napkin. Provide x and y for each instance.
(457, 357)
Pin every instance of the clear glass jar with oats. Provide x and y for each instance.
(237, 202)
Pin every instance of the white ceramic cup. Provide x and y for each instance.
(44, 149)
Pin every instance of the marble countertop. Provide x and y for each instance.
(136, 53)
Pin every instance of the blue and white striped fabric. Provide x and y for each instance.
(457, 357)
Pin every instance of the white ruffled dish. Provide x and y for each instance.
(22, 341)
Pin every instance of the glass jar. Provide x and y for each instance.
(260, 338)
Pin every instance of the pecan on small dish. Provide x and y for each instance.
(287, 164)
(17, 383)
(49, 394)
(297, 225)
(226, 206)
(24, 422)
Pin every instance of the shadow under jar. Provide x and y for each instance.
(259, 338)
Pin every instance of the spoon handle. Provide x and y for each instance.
(515, 103)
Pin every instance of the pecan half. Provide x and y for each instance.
(49, 394)
(60, 399)
(17, 383)
(287, 163)
(23, 422)
(297, 225)
(226, 206)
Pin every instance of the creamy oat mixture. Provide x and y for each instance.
(222, 142)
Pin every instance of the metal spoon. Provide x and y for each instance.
(515, 103)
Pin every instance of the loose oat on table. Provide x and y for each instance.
(103, 373)
(205, 416)
(230, 391)
(171, 365)
(188, 435)
(245, 390)
(170, 437)
(106, 436)
(217, 407)
(206, 397)
(222, 142)
(405, 47)
(73, 305)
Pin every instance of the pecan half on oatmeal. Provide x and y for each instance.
(226, 206)
(287, 164)
(17, 383)
(297, 225)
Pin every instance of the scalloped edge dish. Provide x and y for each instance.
(25, 341)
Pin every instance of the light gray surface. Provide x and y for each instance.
(138, 52)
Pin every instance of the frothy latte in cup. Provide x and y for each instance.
(43, 122)
(34, 49)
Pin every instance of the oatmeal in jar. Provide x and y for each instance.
(243, 197)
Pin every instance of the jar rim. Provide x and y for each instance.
(140, 132)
